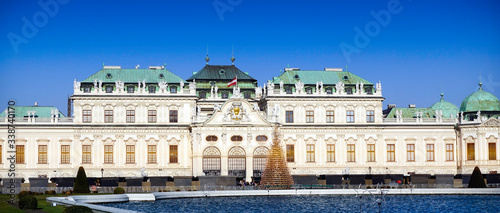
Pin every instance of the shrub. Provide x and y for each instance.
(81, 184)
(23, 193)
(28, 202)
(69, 192)
(50, 192)
(119, 190)
(477, 179)
(77, 209)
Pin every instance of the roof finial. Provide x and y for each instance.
(442, 94)
(207, 58)
(346, 67)
(480, 85)
(103, 64)
(232, 57)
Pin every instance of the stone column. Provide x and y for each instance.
(249, 167)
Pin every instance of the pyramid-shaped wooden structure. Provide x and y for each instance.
(276, 174)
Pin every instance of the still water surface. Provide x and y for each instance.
(322, 203)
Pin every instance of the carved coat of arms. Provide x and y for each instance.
(236, 113)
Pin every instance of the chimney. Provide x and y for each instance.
(36, 103)
(390, 106)
(411, 106)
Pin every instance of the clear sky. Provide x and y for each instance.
(417, 48)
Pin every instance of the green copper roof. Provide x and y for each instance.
(223, 85)
(311, 77)
(480, 101)
(448, 108)
(410, 112)
(134, 75)
(40, 111)
(220, 72)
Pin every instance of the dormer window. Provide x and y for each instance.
(152, 89)
(348, 90)
(173, 89)
(221, 72)
(130, 89)
(108, 76)
(87, 89)
(109, 89)
(368, 90)
(309, 90)
(161, 75)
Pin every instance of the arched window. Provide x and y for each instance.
(259, 160)
(236, 138)
(236, 162)
(211, 138)
(211, 161)
(261, 138)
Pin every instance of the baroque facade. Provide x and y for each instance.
(138, 122)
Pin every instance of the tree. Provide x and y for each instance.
(477, 179)
(81, 184)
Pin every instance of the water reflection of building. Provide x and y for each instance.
(125, 120)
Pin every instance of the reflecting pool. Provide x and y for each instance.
(322, 203)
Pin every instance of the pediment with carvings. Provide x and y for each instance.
(491, 122)
(237, 111)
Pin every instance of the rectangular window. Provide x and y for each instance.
(410, 152)
(351, 153)
(309, 90)
(130, 89)
(288, 90)
(309, 116)
(370, 116)
(310, 153)
(289, 116)
(42, 154)
(203, 94)
(20, 154)
(290, 153)
(108, 116)
(173, 89)
(173, 116)
(225, 95)
(369, 90)
(350, 116)
(151, 153)
(348, 90)
(65, 154)
(247, 95)
(330, 153)
(109, 89)
(449, 152)
(130, 116)
(151, 116)
(330, 116)
(371, 152)
(1, 154)
(391, 152)
(492, 150)
(86, 154)
(430, 152)
(173, 154)
(87, 89)
(130, 154)
(87, 116)
(108, 154)
(471, 155)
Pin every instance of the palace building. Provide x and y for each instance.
(130, 123)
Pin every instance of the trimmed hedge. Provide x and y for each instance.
(77, 209)
(81, 184)
(119, 190)
(23, 193)
(28, 202)
(477, 179)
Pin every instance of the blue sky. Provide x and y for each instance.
(427, 47)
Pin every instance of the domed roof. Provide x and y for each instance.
(480, 101)
(449, 109)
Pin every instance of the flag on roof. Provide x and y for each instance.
(233, 82)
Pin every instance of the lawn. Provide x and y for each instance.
(42, 204)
